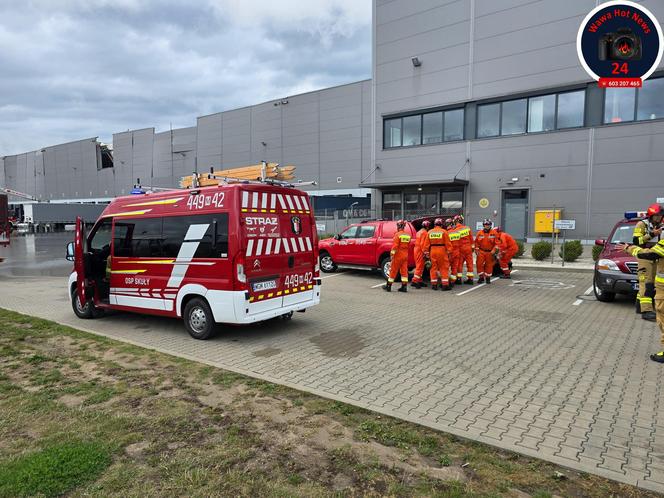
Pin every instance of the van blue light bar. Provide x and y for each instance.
(630, 215)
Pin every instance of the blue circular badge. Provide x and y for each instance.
(620, 40)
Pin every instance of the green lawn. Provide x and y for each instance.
(86, 416)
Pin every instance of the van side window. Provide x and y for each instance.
(100, 239)
(176, 228)
(142, 238)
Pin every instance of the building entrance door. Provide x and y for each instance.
(515, 213)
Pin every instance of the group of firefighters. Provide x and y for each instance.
(445, 249)
(648, 247)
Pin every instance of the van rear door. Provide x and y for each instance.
(277, 226)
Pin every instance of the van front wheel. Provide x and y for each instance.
(198, 319)
(85, 312)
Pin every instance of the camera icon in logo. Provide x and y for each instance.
(623, 45)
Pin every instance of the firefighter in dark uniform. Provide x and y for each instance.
(646, 234)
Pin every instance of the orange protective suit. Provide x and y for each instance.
(466, 248)
(506, 248)
(420, 240)
(438, 246)
(455, 254)
(399, 254)
(485, 243)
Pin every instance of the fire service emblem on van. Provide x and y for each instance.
(296, 225)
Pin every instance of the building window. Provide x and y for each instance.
(451, 202)
(454, 125)
(571, 107)
(392, 133)
(651, 100)
(412, 130)
(513, 119)
(488, 120)
(619, 105)
(421, 203)
(392, 202)
(541, 113)
(432, 126)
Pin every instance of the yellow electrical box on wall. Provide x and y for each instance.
(544, 220)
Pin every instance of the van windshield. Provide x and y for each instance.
(623, 234)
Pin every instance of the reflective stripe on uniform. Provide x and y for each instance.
(646, 300)
(658, 249)
(659, 278)
(404, 238)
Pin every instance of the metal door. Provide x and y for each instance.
(515, 213)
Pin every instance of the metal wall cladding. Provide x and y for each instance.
(66, 213)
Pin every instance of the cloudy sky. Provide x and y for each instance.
(72, 69)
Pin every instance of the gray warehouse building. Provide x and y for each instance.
(474, 106)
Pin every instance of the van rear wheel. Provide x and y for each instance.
(198, 319)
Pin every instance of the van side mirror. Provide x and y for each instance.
(70, 252)
(600, 242)
(337, 236)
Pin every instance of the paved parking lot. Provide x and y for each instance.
(524, 365)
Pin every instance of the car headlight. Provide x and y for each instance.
(607, 264)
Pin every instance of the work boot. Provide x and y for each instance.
(658, 357)
(651, 316)
(505, 276)
(480, 280)
(387, 287)
(446, 288)
(416, 285)
(488, 280)
(459, 281)
(403, 288)
(434, 286)
(423, 284)
(469, 281)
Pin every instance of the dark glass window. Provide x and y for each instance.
(454, 125)
(651, 100)
(571, 109)
(393, 133)
(488, 120)
(432, 125)
(100, 239)
(541, 113)
(349, 233)
(163, 237)
(366, 232)
(513, 119)
(451, 202)
(391, 202)
(412, 130)
(619, 105)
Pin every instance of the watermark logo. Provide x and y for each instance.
(620, 44)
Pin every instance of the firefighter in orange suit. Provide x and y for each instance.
(485, 243)
(399, 254)
(438, 247)
(420, 259)
(466, 249)
(455, 254)
(506, 248)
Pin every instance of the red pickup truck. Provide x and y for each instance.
(364, 246)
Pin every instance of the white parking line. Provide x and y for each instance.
(480, 285)
(380, 284)
(578, 302)
(330, 276)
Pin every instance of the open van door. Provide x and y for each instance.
(79, 260)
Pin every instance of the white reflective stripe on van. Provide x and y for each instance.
(286, 248)
(273, 201)
(245, 199)
(309, 247)
(297, 202)
(268, 249)
(301, 241)
(187, 250)
(250, 247)
(305, 203)
(254, 200)
(277, 246)
(281, 201)
(290, 202)
(264, 201)
(259, 247)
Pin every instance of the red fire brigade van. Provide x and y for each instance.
(235, 253)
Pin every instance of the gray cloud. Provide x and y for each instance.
(78, 68)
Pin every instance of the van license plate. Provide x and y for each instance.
(264, 286)
(635, 285)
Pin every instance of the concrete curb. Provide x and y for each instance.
(531, 266)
